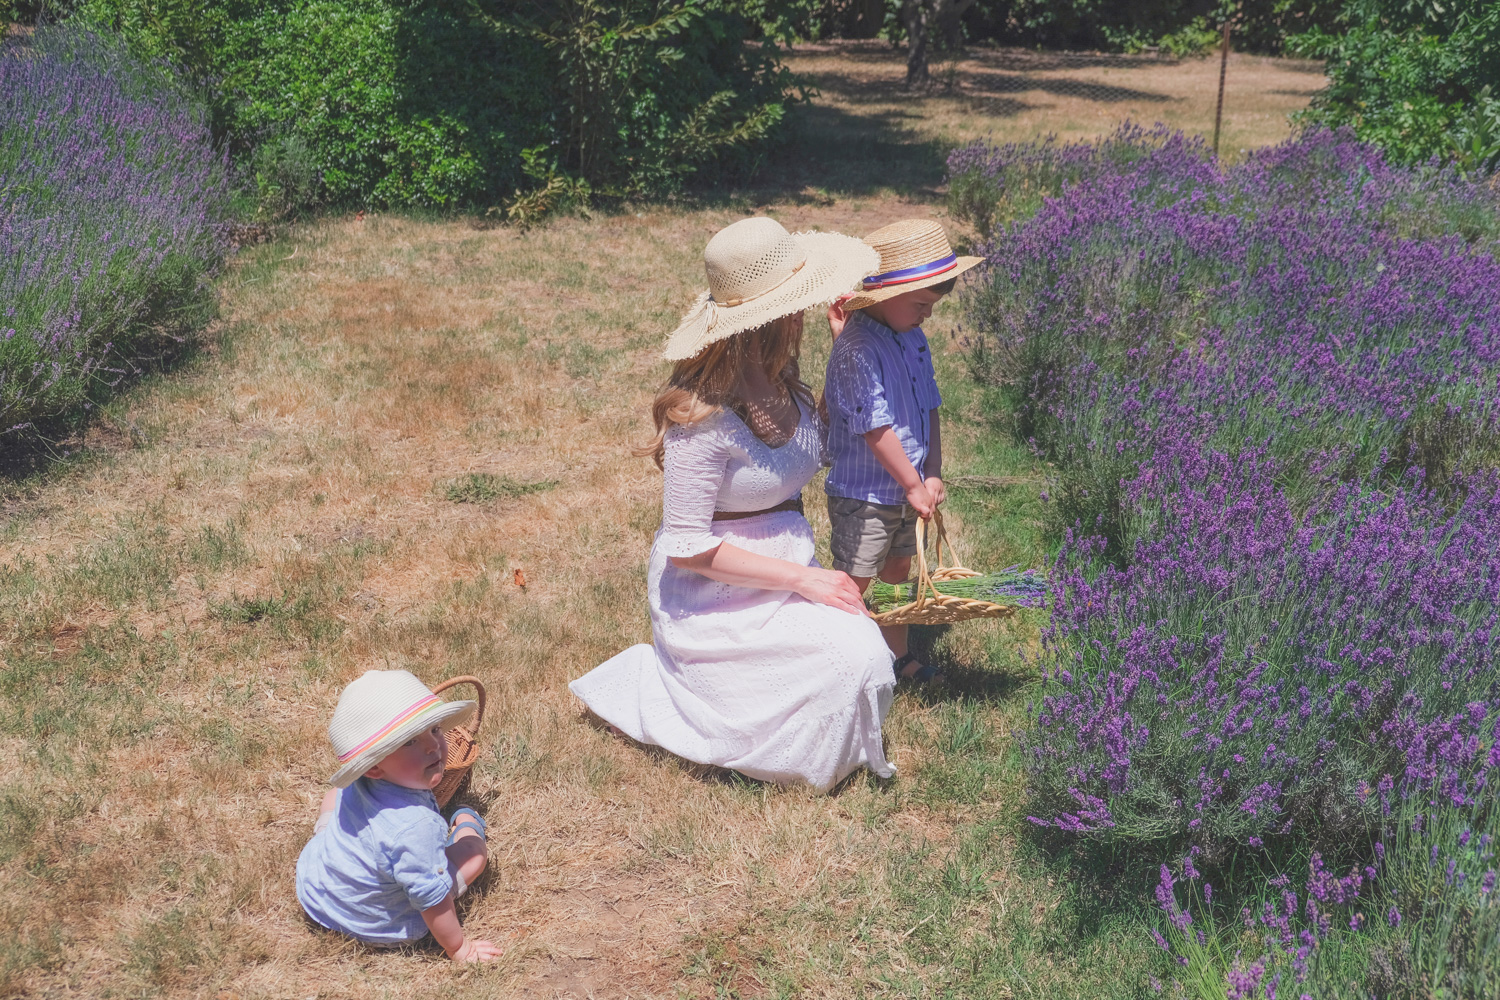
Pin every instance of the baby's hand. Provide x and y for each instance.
(474, 950)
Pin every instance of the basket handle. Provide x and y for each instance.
(924, 575)
(478, 686)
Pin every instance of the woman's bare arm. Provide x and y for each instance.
(731, 564)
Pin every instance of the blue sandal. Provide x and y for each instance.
(926, 675)
(464, 817)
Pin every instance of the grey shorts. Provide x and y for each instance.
(865, 535)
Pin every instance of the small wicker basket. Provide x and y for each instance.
(463, 744)
(932, 607)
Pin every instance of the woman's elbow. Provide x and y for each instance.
(698, 562)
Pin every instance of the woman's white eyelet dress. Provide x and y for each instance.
(761, 681)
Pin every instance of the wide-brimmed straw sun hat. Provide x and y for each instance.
(381, 710)
(914, 253)
(757, 272)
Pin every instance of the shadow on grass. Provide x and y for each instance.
(979, 82)
(95, 430)
(831, 153)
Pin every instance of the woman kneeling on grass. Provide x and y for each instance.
(763, 662)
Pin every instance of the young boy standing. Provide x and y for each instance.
(884, 438)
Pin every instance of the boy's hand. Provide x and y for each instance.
(837, 316)
(935, 487)
(474, 950)
(921, 500)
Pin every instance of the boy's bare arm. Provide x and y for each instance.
(933, 467)
(442, 920)
(886, 446)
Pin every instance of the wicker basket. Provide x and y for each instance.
(463, 744)
(932, 607)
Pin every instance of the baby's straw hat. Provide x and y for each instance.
(381, 710)
(914, 253)
(757, 272)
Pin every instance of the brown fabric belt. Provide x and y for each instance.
(795, 503)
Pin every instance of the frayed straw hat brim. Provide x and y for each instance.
(446, 715)
(834, 265)
(862, 299)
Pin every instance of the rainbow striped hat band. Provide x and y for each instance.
(379, 712)
(914, 253)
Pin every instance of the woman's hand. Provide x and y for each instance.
(833, 588)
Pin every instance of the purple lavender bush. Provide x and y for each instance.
(112, 200)
(1272, 395)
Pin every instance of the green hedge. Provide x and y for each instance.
(451, 103)
(1414, 77)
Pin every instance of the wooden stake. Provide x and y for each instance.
(1223, 65)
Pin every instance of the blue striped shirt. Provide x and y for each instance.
(877, 378)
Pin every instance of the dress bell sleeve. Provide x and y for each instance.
(692, 472)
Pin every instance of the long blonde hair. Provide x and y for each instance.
(706, 383)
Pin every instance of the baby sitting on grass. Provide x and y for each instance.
(383, 866)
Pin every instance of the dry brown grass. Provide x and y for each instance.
(177, 617)
(864, 115)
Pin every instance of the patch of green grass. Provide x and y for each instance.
(216, 549)
(486, 487)
(139, 563)
(248, 610)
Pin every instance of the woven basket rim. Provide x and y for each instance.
(940, 608)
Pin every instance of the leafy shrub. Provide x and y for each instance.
(1271, 394)
(1405, 75)
(110, 219)
(287, 180)
(432, 102)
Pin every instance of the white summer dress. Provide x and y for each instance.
(761, 681)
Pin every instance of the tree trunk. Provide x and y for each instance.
(914, 16)
(947, 15)
(864, 18)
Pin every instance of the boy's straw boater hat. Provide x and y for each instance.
(757, 272)
(381, 710)
(914, 253)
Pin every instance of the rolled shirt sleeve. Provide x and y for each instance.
(855, 392)
(693, 471)
(419, 864)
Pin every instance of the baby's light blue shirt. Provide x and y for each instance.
(378, 863)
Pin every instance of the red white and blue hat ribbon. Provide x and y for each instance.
(909, 274)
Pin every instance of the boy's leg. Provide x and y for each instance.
(468, 854)
(325, 810)
(870, 541)
(896, 570)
